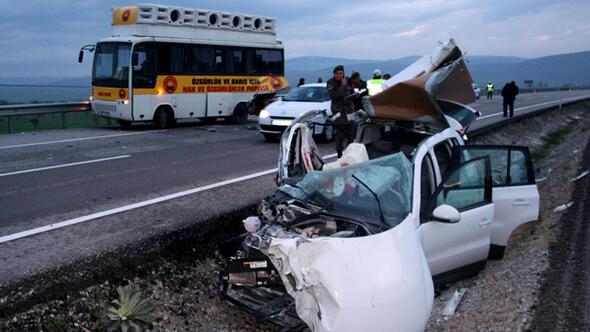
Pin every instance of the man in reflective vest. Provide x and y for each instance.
(374, 85)
(490, 90)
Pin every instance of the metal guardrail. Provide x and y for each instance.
(11, 111)
(545, 108)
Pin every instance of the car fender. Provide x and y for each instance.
(379, 282)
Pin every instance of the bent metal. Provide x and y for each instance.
(359, 244)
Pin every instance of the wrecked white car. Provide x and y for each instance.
(359, 244)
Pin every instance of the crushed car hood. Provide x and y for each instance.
(338, 285)
(411, 95)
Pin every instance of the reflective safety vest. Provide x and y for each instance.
(375, 86)
(490, 88)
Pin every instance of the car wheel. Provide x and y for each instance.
(163, 118)
(240, 115)
(125, 124)
(496, 252)
(271, 137)
(328, 134)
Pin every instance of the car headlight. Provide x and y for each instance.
(263, 114)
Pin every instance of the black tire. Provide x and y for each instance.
(271, 137)
(240, 115)
(125, 124)
(496, 252)
(208, 120)
(164, 118)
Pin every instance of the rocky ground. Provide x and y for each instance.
(184, 286)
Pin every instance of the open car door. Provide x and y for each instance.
(458, 247)
(515, 193)
(299, 154)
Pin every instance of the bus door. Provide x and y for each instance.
(143, 82)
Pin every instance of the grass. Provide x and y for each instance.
(35, 122)
(551, 140)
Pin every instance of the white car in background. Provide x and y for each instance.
(277, 116)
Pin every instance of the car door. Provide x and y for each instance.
(515, 193)
(298, 152)
(459, 247)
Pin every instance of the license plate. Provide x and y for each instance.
(283, 123)
(104, 114)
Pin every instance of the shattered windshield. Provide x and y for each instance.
(351, 191)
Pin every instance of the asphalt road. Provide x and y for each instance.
(63, 175)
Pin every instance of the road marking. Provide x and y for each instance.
(73, 140)
(137, 205)
(63, 165)
(556, 102)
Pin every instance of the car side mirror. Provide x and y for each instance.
(81, 56)
(446, 213)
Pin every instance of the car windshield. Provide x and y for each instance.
(458, 112)
(308, 94)
(345, 191)
(111, 64)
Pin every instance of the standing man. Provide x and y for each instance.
(490, 90)
(357, 83)
(301, 82)
(375, 85)
(509, 92)
(339, 89)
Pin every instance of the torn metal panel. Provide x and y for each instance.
(374, 283)
(412, 94)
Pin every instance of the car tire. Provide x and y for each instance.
(271, 137)
(125, 124)
(240, 114)
(496, 252)
(164, 118)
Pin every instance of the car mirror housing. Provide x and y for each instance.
(446, 213)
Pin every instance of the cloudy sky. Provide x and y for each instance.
(42, 38)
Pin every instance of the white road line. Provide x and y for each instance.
(555, 102)
(137, 205)
(63, 165)
(73, 140)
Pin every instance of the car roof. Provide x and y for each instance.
(322, 85)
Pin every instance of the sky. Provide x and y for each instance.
(42, 38)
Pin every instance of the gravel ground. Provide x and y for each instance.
(503, 297)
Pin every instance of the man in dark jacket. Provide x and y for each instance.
(509, 92)
(358, 84)
(339, 90)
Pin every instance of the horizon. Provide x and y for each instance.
(39, 38)
(324, 57)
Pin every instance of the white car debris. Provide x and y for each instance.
(563, 207)
(451, 306)
(360, 243)
(581, 176)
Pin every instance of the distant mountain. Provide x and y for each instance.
(553, 71)
(486, 59)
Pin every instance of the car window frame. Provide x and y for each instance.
(431, 205)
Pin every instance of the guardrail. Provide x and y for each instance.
(545, 108)
(12, 111)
